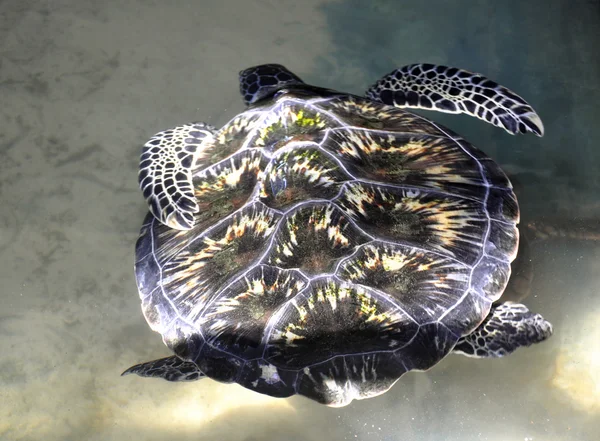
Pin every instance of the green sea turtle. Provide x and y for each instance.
(324, 244)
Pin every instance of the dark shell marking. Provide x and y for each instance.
(339, 243)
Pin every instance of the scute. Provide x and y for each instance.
(363, 113)
(408, 159)
(432, 343)
(261, 376)
(343, 379)
(313, 237)
(453, 225)
(301, 174)
(219, 365)
(236, 320)
(339, 243)
(423, 284)
(226, 187)
(336, 318)
(290, 121)
(205, 264)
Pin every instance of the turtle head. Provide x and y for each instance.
(259, 82)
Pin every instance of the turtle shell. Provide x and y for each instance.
(339, 244)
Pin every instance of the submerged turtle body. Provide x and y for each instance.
(324, 244)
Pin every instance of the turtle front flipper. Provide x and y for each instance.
(508, 327)
(453, 90)
(165, 175)
(170, 368)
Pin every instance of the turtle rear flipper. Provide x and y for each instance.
(453, 90)
(170, 368)
(508, 327)
(165, 174)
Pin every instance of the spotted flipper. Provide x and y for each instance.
(261, 81)
(165, 174)
(170, 368)
(508, 327)
(452, 90)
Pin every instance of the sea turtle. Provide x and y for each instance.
(324, 244)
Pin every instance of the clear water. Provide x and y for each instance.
(83, 84)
